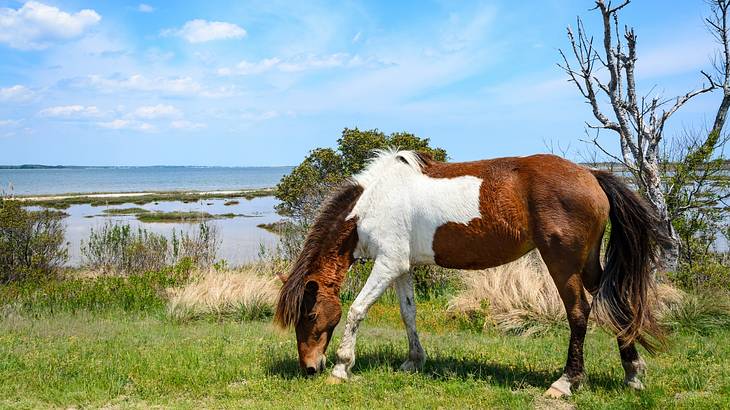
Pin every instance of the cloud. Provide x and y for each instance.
(296, 64)
(664, 60)
(186, 125)
(70, 111)
(145, 8)
(163, 85)
(121, 124)
(152, 112)
(201, 31)
(16, 93)
(9, 123)
(36, 25)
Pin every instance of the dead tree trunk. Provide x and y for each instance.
(638, 120)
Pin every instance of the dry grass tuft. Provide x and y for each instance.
(244, 294)
(518, 297)
(521, 298)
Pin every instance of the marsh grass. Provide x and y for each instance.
(182, 217)
(142, 199)
(125, 211)
(521, 298)
(247, 293)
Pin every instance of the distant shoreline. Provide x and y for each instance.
(62, 201)
(40, 166)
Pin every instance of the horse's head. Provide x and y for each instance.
(314, 320)
(320, 314)
(310, 298)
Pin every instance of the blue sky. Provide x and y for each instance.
(262, 83)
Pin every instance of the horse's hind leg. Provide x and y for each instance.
(565, 271)
(634, 366)
(416, 355)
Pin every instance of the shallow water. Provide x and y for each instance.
(137, 179)
(241, 240)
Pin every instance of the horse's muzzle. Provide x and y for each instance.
(317, 367)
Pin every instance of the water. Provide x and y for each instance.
(241, 239)
(137, 179)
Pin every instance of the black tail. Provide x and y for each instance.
(632, 254)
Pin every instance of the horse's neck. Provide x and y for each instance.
(336, 255)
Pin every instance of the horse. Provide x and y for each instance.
(407, 209)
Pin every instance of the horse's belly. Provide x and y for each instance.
(478, 245)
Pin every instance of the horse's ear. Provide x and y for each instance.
(282, 277)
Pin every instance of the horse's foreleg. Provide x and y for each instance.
(416, 355)
(383, 274)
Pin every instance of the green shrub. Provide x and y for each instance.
(31, 243)
(143, 292)
(702, 313)
(117, 248)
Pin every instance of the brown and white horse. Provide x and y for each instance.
(405, 209)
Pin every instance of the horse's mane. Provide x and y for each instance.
(322, 236)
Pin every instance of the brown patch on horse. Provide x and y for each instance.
(325, 256)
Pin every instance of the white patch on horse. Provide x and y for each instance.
(401, 208)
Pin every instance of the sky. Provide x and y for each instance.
(252, 83)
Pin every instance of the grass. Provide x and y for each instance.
(86, 198)
(132, 359)
(248, 293)
(179, 216)
(110, 342)
(274, 227)
(125, 211)
(231, 202)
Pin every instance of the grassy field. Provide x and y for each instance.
(136, 357)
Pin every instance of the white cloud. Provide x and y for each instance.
(145, 8)
(35, 25)
(163, 85)
(16, 93)
(9, 123)
(121, 124)
(296, 64)
(201, 31)
(70, 111)
(665, 59)
(151, 112)
(186, 125)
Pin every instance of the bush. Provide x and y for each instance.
(116, 248)
(31, 243)
(302, 191)
(702, 313)
(143, 292)
(248, 294)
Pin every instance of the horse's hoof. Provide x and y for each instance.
(560, 388)
(635, 384)
(334, 380)
(411, 366)
(554, 393)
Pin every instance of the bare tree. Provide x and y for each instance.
(639, 121)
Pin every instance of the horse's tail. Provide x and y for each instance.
(622, 300)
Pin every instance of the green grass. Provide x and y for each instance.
(75, 199)
(274, 227)
(141, 359)
(125, 211)
(178, 216)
